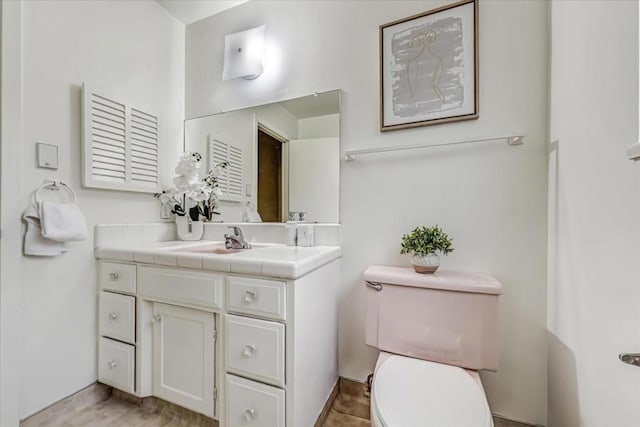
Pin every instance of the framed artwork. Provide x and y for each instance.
(429, 67)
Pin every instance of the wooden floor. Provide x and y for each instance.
(350, 408)
(99, 406)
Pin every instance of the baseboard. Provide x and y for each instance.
(324, 414)
(502, 421)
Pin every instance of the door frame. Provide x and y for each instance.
(273, 132)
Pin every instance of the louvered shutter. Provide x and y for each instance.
(120, 147)
(230, 180)
(144, 148)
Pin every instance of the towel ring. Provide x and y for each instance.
(55, 186)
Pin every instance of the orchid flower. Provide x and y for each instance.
(190, 193)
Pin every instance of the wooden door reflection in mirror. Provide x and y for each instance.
(270, 151)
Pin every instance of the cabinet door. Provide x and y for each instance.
(184, 357)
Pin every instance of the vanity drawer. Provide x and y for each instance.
(265, 298)
(117, 317)
(181, 286)
(117, 277)
(116, 364)
(249, 403)
(256, 349)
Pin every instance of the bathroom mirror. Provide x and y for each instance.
(284, 159)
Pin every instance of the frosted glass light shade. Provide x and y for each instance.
(244, 54)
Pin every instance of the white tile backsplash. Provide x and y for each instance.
(135, 233)
(108, 235)
(253, 232)
(158, 232)
(325, 234)
(132, 234)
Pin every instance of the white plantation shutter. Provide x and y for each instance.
(234, 171)
(120, 147)
(144, 148)
(108, 139)
(230, 180)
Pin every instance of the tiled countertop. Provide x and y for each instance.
(275, 260)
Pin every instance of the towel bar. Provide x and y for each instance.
(55, 186)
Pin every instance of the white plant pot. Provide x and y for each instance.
(425, 264)
(189, 230)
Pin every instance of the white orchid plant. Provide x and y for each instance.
(191, 193)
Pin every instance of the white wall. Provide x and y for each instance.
(238, 129)
(314, 178)
(490, 198)
(315, 168)
(10, 207)
(278, 119)
(319, 127)
(594, 216)
(134, 45)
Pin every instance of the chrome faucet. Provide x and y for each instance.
(236, 240)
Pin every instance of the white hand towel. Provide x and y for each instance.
(62, 222)
(34, 242)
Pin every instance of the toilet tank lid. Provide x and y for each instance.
(449, 280)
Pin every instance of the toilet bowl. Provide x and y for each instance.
(435, 331)
(408, 392)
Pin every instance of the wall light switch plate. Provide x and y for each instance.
(47, 155)
(305, 235)
(165, 211)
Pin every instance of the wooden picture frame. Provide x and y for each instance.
(429, 67)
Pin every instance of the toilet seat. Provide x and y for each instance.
(410, 392)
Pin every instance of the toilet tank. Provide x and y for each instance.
(448, 317)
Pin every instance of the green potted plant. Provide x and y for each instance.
(423, 242)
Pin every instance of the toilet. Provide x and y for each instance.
(434, 332)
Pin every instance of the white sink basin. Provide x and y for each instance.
(211, 248)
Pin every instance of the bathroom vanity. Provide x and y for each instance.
(246, 337)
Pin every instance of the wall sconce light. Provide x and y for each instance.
(244, 54)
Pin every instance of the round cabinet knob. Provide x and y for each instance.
(113, 276)
(112, 364)
(249, 350)
(113, 316)
(156, 318)
(250, 414)
(249, 296)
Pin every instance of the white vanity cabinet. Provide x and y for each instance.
(281, 348)
(245, 349)
(117, 337)
(255, 349)
(184, 357)
(182, 306)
